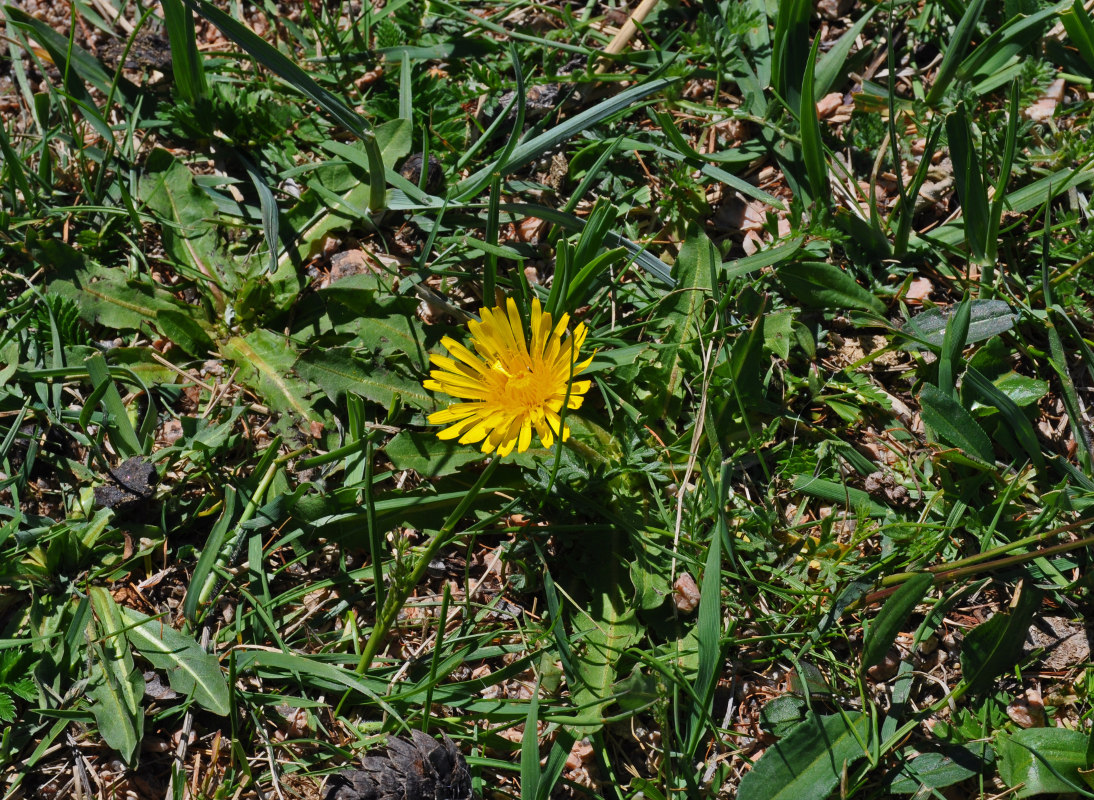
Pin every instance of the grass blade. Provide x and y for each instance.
(187, 65)
(525, 152)
(275, 61)
(955, 53)
(812, 146)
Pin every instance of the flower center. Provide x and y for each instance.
(522, 388)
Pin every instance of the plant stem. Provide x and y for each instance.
(398, 595)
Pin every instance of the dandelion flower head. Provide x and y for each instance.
(511, 386)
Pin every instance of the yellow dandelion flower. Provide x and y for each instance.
(512, 387)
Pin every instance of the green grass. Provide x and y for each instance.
(827, 478)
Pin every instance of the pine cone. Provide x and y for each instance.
(419, 769)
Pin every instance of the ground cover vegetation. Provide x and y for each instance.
(790, 496)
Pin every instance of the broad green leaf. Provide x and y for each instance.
(1021, 389)
(936, 770)
(887, 624)
(336, 198)
(603, 627)
(106, 298)
(336, 372)
(1040, 761)
(993, 648)
(817, 283)
(118, 690)
(394, 138)
(987, 318)
(682, 309)
(780, 715)
(190, 670)
(114, 684)
(949, 419)
(265, 360)
(778, 332)
(189, 214)
(807, 764)
(393, 333)
(427, 455)
(186, 330)
(649, 571)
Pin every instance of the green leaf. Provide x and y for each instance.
(968, 177)
(526, 152)
(709, 635)
(106, 298)
(190, 670)
(807, 764)
(1016, 421)
(1038, 761)
(789, 48)
(993, 648)
(118, 689)
(117, 423)
(838, 493)
(427, 455)
(682, 310)
(186, 330)
(954, 424)
(987, 318)
(187, 65)
(936, 770)
(81, 62)
(817, 283)
(1021, 389)
(394, 138)
(958, 44)
(265, 360)
(1004, 46)
(336, 372)
(778, 332)
(953, 345)
(189, 214)
(812, 145)
(113, 685)
(605, 625)
(296, 77)
(887, 624)
(830, 67)
(764, 258)
(1080, 31)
